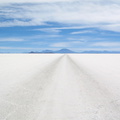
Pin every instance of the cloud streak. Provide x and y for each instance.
(73, 12)
(60, 44)
(18, 48)
(82, 32)
(66, 44)
(32, 1)
(106, 44)
(11, 40)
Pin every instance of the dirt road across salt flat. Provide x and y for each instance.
(61, 91)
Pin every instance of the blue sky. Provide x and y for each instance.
(35, 25)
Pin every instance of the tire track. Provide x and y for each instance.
(76, 96)
(62, 91)
(101, 101)
(22, 100)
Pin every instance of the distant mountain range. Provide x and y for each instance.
(73, 52)
(58, 51)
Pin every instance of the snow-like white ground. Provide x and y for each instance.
(59, 87)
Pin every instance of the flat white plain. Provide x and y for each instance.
(60, 87)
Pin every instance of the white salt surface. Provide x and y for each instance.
(15, 68)
(59, 87)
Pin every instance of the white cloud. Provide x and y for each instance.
(11, 40)
(107, 44)
(5, 47)
(49, 30)
(77, 42)
(82, 32)
(77, 39)
(98, 49)
(31, 1)
(41, 37)
(68, 12)
(66, 44)
(60, 44)
(111, 27)
(58, 29)
(68, 27)
(18, 48)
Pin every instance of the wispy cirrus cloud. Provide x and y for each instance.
(66, 27)
(87, 12)
(11, 40)
(60, 44)
(32, 1)
(106, 44)
(38, 43)
(77, 39)
(82, 32)
(66, 44)
(49, 30)
(19, 48)
(59, 29)
(111, 27)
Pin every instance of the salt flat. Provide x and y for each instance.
(59, 87)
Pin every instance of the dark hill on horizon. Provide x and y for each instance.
(58, 51)
(68, 51)
(64, 51)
